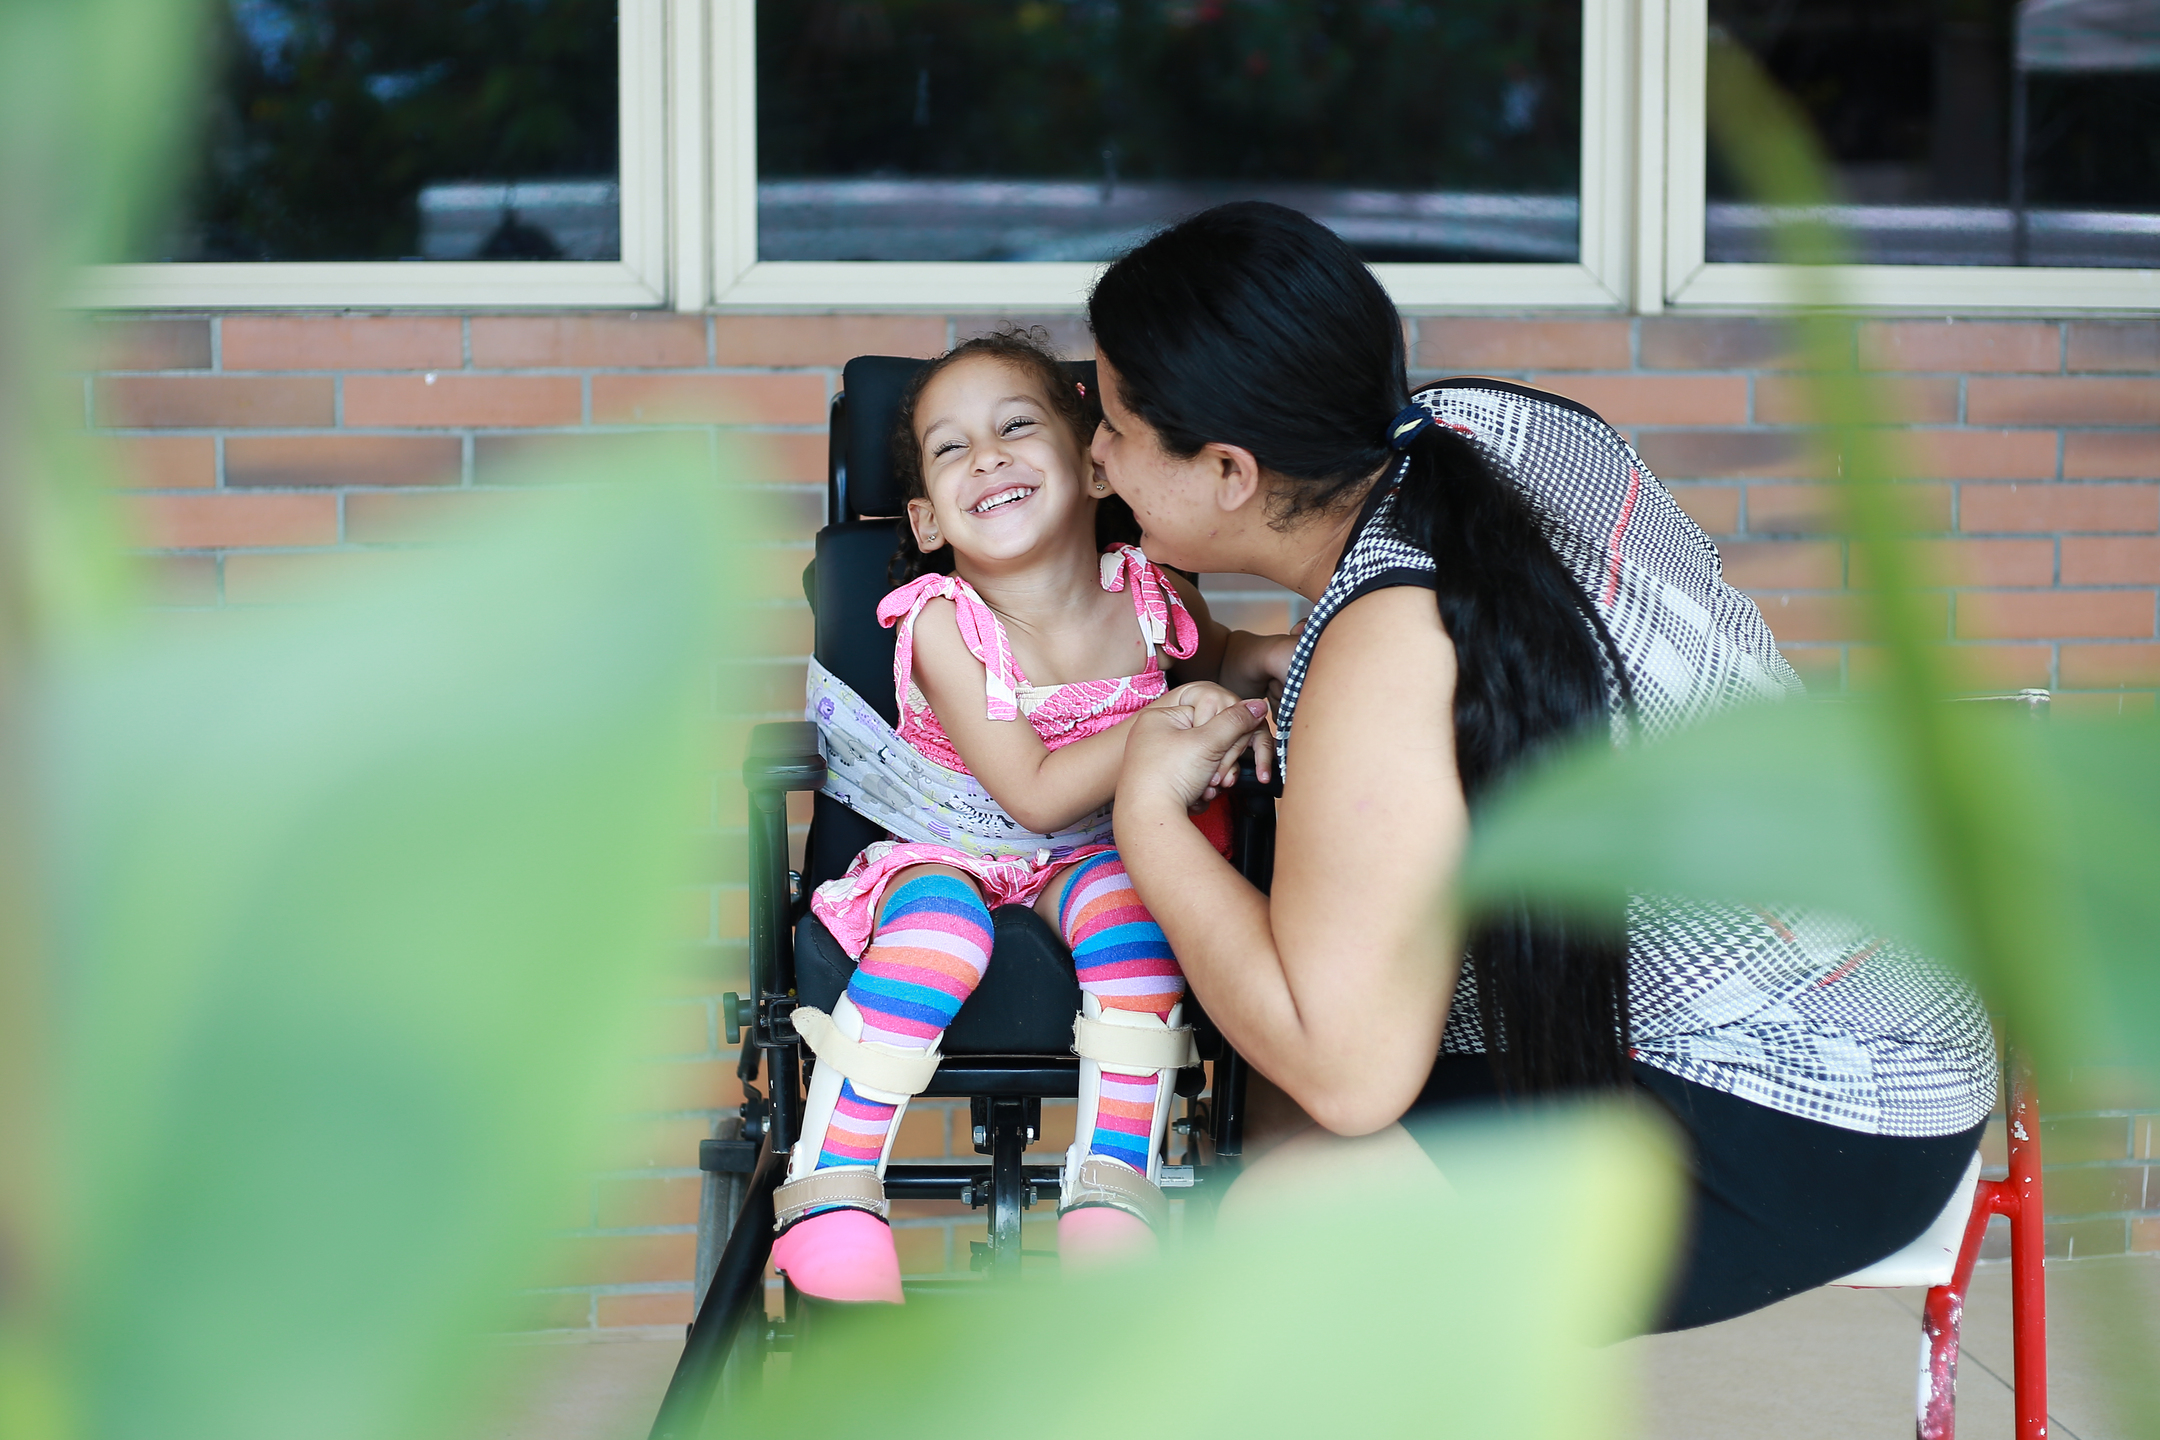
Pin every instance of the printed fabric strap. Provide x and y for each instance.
(1164, 619)
(979, 630)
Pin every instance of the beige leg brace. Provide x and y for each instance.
(880, 1072)
(1128, 1042)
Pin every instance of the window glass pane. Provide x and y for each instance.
(407, 130)
(1428, 130)
(1966, 132)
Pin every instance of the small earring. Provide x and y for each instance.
(1102, 487)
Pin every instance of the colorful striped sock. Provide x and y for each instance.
(929, 953)
(1124, 961)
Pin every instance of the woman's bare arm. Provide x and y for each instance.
(1337, 987)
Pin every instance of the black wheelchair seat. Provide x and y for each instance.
(1024, 1005)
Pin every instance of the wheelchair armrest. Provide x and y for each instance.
(783, 755)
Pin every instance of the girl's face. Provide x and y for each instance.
(1173, 498)
(1002, 474)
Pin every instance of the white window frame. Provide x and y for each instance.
(652, 105)
(1689, 281)
(1601, 279)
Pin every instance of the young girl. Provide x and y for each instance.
(1015, 675)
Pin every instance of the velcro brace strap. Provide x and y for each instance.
(871, 1064)
(1100, 1180)
(852, 1187)
(1128, 1047)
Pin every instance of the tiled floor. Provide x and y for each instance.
(1827, 1365)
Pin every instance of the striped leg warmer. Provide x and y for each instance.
(1125, 963)
(929, 953)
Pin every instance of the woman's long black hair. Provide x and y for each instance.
(1252, 325)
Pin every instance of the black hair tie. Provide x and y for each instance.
(1408, 424)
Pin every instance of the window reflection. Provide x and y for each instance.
(407, 129)
(1069, 129)
(1966, 132)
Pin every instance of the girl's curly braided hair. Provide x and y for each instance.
(1027, 350)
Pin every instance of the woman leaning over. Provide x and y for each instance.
(1831, 1087)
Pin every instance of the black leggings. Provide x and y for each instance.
(1780, 1204)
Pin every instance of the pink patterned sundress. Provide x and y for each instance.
(1060, 714)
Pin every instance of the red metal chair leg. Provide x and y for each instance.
(2018, 1198)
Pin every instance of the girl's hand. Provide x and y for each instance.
(1173, 755)
(1207, 700)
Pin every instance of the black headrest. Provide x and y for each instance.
(861, 453)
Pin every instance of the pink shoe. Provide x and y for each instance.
(845, 1255)
(1101, 1237)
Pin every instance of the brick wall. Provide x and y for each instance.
(265, 450)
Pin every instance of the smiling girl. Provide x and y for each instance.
(1016, 675)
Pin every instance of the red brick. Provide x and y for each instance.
(922, 1251)
(2100, 455)
(1784, 564)
(1903, 400)
(1655, 399)
(709, 399)
(342, 342)
(667, 1307)
(506, 400)
(549, 1310)
(165, 462)
(2085, 1137)
(1824, 617)
(706, 1084)
(753, 456)
(209, 522)
(586, 455)
(822, 340)
(180, 579)
(2094, 1189)
(618, 1259)
(1069, 336)
(2098, 667)
(2062, 402)
(1817, 509)
(2054, 614)
(405, 517)
(179, 402)
(2005, 667)
(283, 461)
(2115, 345)
(2132, 508)
(2144, 1236)
(2111, 560)
(676, 1029)
(1961, 345)
(145, 343)
(1714, 507)
(1476, 346)
(308, 576)
(1735, 344)
(1979, 454)
(669, 1141)
(1717, 454)
(923, 1136)
(538, 342)
(2078, 1239)
(1820, 667)
(1974, 562)
(648, 1200)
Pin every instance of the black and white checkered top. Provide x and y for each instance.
(1790, 1008)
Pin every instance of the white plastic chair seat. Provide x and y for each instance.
(1931, 1259)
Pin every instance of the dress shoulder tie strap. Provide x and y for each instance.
(1164, 620)
(980, 631)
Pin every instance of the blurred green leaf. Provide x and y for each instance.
(350, 904)
(1379, 1312)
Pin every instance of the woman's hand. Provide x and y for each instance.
(1186, 747)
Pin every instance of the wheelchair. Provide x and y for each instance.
(1011, 1046)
